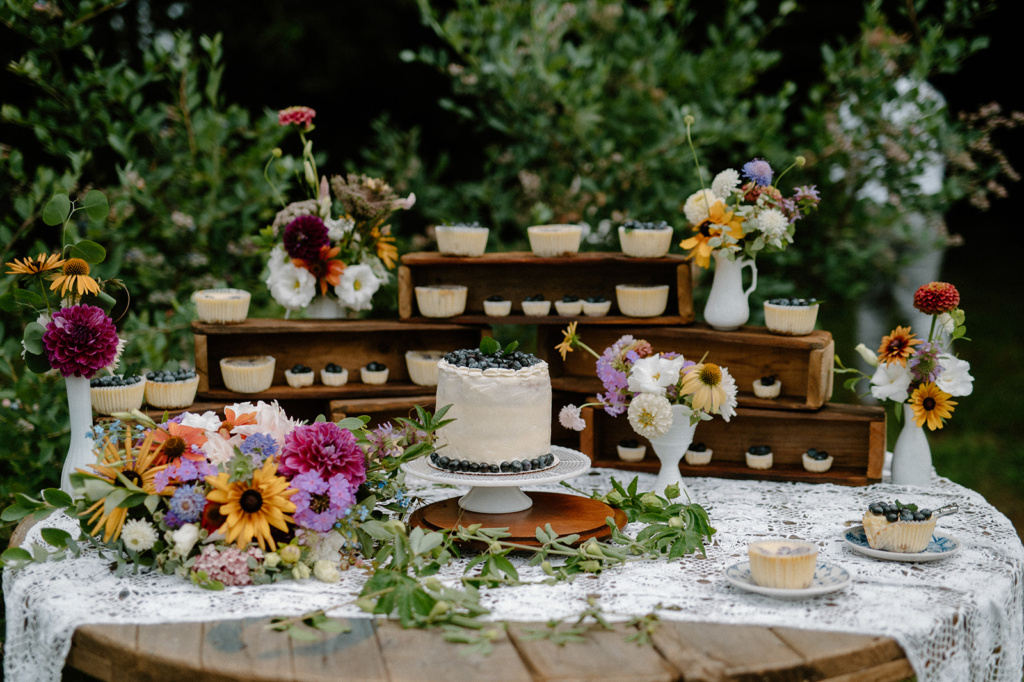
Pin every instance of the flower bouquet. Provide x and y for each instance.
(922, 376)
(663, 395)
(73, 332)
(336, 252)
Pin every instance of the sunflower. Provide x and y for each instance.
(897, 346)
(75, 278)
(931, 405)
(720, 221)
(251, 508)
(178, 442)
(116, 466)
(705, 382)
(41, 263)
(386, 249)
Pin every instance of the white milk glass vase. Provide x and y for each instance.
(911, 455)
(727, 308)
(80, 452)
(670, 449)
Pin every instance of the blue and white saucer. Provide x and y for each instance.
(827, 578)
(941, 546)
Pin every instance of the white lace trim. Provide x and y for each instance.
(961, 618)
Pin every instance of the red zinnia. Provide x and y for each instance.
(936, 298)
(296, 115)
(80, 340)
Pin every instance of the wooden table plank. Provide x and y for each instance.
(605, 656)
(423, 656)
(745, 651)
(832, 654)
(245, 649)
(100, 651)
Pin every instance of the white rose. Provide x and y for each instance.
(185, 538)
(207, 421)
(698, 206)
(326, 571)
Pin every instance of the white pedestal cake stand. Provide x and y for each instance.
(500, 493)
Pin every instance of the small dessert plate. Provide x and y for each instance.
(827, 578)
(941, 546)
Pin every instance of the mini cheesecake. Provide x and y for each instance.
(569, 306)
(536, 306)
(631, 450)
(248, 373)
(334, 375)
(698, 455)
(645, 240)
(222, 306)
(374, 373)
(640, 300)
(791, 316)
(497, 306)
(898, 527)
(113, 393)
(759, 457)
(767, 387)
(171, 389)
(555, 240)
(783, 564)
(422, 366)
(467, 239)
(441, 300)
(816, 461)
(299, 376)
(596, 306)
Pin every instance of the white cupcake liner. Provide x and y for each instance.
(461, 240)
(423, 371)
(374, 378)
(698, 459)
(790, 320)
(760, 461)
(631, 454)
(569, 308)
(817, 466)
(171, 395)
(299, 380)
(596, 308)
(222, 306)
(641, 301)
(497, 308)
(442, 300)
(536, 308)
(110, 399)
(252, 378)
(772, 391)
(555, 240)
(645, 243)
(334, 378)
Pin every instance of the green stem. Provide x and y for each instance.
(795, 163)
(266, 176)
(931, 331)
(700, 176)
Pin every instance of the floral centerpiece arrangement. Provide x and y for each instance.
(922, 376)
(73, 332)
(336, 251)
(664, 395)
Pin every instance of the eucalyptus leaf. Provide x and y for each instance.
(96, 205)
(89, 251)
(57, 209)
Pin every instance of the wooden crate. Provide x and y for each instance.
(854, 435)
(518, 275)
(803, 364)
(315, 343)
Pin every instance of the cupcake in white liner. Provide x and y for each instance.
(441, 300)
(334, 375)
(898, 527)
(248, 373)
(596, 306)
(569, 306)
(374, 373)
(497, 306)
(555, 240)
(791, 316)
(422, 366)
(759, 457)
(299, 376)
(698, 455)
(631, 451)
(816, 461)
(171, 390)
(783, 564)
(636, 300)
(468, 239)
(222, 306)
(767, 387)
(536, 306)
(114, 393)
(645, 240)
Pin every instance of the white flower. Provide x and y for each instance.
(326, 571)
(270, 419)
(406, 203)
(725, 182)
(654, 373)
(891, 381)
(121, 343)
(699, 205)
(955, 378)
(184, 539)
(292, 286)
(219, 449)
(277, 259)
(650, 415)
(324, 546)
(207, 421)
(357, 286)
(869, 355)
(139, 535)
(570, 418)
(338, 228)
(772, 224)
(728, 408)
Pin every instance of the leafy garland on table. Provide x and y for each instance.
(138, 506)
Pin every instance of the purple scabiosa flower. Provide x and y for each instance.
(758, 170)
(304, 236)
(187, 503)
(807, 193)
(258, 447)
(80, 340)
(172, 521)
(924, 363)
(323, 447)
(319, 504)
(383, 442)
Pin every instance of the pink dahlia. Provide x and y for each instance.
(80, 340)
(296, 116)
(936, 298)
(304, 236)
(323, 447)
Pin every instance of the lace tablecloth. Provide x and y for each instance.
(960, 618)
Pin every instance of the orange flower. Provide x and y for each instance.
(386, 249)
(231, 420)
(41, 263)
(75, 278)
(327, 269)
(178, 441)
(897, 346)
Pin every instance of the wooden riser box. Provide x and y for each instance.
(381, 410)
(518, 275)
(854, 435)
(803, 364)
(315, 343)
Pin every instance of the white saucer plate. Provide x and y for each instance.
(827, 578)
(941, 546)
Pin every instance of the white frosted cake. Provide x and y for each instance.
(501, 404)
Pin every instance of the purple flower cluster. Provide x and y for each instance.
(182, 471)
(383, 442)
(304, 236)
(258, 448)
(319, 503)
(228, 564)
(924, 364)
(325, 448)
(613, 371)
(80, 340)
(760, 171)
(187, 504)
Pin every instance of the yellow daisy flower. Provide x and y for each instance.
(897, 346)
(704, 382)
(42, 263)
(75, 278)
(386, 249)
(565, 347)
(720, 221)
(931, 405)
(251, 508)
(135, 465)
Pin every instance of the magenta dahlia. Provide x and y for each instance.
(80, 340)
(325, 448)
(936, 298)
(304, 236)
